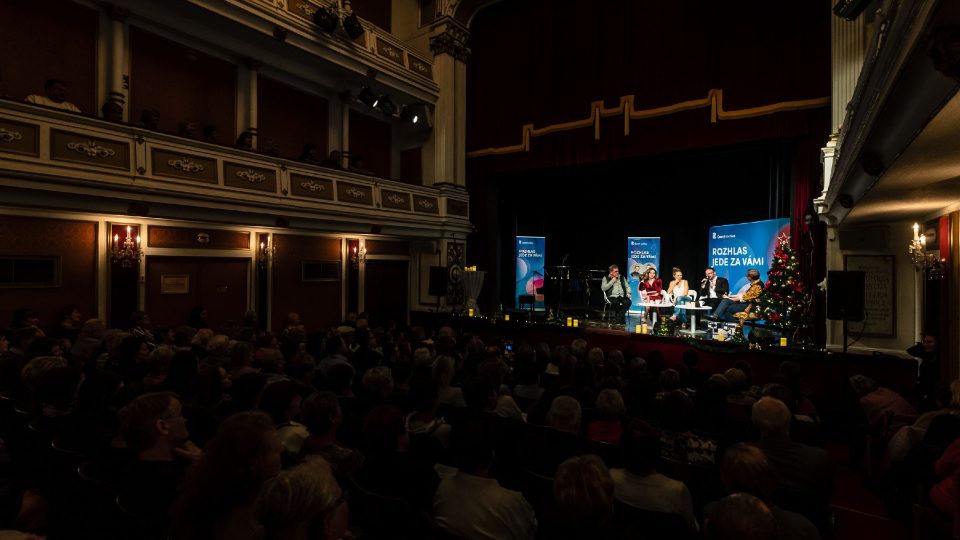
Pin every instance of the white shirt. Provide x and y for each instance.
(479, 509)
(37, 99)
(713, 290)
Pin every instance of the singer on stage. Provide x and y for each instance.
(615, 288)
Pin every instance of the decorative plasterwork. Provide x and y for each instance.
(713, 101)
(252, 176)
(185, 165)
(355, 193)
(8, 136)
(396, 199)
(91, 149)
(452, 41)
(313, 186)
(426, 204)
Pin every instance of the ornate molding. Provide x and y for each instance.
(355, 193)
(396, 199)
(313, 186)
(185, 165)
(452, 41)
(9, 135)
(426, 204)
(447, 8)
(307, 9)
(251, 176)
(91, 149)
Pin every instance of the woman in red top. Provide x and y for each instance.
(652, 286)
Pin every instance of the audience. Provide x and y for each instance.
(54, 96)
(304, 502)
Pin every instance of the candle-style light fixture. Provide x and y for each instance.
(127, 252)
(923, 259)
(265, 253)
(358, 256)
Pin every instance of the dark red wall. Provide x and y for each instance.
(181, 84)
(376, 11)
(291, 117)
(50, 39)
(317, 302)
(75, 242)
(370, 137)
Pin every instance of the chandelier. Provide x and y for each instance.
(127, 252)
(923, 259)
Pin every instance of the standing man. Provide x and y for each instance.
(712, 288)
(615, 287)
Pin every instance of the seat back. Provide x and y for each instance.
(635, 522)
(693, 295)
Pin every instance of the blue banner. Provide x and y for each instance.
(734, 249)
(643, 253)
(531, 257)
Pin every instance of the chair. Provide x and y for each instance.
(606, 304)
(635, 522)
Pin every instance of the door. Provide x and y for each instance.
(176, 284)
(385, 290)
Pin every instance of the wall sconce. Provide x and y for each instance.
(358, 256)
(923, 259)
(265, 253)
(127, 252)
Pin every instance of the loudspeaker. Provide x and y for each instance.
(845, 295)
(438, 281)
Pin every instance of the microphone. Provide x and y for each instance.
(703, 282)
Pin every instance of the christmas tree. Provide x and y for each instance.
(784, 301)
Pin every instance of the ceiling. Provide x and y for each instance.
(924, 181)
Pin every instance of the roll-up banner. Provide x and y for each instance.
(734, 249)
(643, 253)
(531, 256)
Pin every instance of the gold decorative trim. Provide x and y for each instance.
(252, 176)
(91, 149)
(8, 136)
(313, 186)
(396, 199)
(714, 101)
(355, 193)
(426, 204)
(185, 165)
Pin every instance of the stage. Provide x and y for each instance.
(826, 373)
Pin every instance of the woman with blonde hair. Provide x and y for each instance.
(680, 290)
(303, 503)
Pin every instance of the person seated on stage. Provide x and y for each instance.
(652, 288)
(737, 303)
(713, 288)
(681, 295)
(618, 292)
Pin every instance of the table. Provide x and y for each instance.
(692, 309)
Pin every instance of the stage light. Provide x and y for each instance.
(326, 19)
(352, 26)
(387, 106)
(368, 97)
(409, 114)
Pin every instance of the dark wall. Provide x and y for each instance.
(181, 84)
(317, 302)
(75, 242)
(50, 39)
(291, 118)
(370, 137)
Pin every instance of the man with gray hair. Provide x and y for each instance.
(800, 469)
(565, 414)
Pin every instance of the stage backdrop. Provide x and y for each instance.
(734, 249)
(530, 260)
(643, 253)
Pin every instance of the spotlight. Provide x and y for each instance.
(387, 106)
(367, 96)
(409, 114)
(325, 19)
(352, 26)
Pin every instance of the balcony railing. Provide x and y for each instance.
(60, 147)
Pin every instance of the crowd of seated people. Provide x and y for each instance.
(191, 432)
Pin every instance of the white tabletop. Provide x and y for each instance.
(691, 307)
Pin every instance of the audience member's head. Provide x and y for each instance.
(112, 111)
(55, 90)
(340, 379)
(640, 444)
(384, 430)
(862, 385)
(378, 381)
(150, 119)
(565, 414)
(245, 141)
(740, 517)
(610, 405)
(679, 412)
(771, 417)
(321, 414)
(281, 400)
(737, 379)
(480, 394)
(154, 422)
(303, 502)
(236, 462)
(669, 380)
(745, 469)
(583, 491)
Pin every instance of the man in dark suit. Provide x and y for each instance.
(712, 288)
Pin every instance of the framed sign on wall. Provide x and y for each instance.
(879, 293)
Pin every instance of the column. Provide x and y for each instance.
(117, 80)
(247, 98)
(444, 153)
(345, 135)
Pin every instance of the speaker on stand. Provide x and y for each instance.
(845, 292)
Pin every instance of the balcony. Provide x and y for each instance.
(45, 151)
